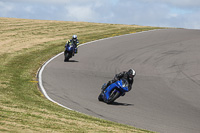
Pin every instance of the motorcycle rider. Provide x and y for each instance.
(128, 75)
(74, 41)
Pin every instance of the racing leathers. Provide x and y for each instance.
(119, 76)
(73, 42)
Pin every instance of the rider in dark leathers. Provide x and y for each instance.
(129, 75)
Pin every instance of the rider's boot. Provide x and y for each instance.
(104, 87)
(76, 50)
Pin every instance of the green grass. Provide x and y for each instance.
(23, 108)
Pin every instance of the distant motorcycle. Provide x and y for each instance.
(114, 91)
(69, 51)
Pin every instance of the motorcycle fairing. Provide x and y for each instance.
(108, 90)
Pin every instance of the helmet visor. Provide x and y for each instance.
(131, 76)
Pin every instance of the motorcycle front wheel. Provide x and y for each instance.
(66, 56)
(113, 96)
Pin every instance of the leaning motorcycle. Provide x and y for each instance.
(69, 51)
(114, 91)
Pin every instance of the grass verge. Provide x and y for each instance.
(25, 45)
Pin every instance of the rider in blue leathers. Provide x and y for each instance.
(74, 41)
(129, 75)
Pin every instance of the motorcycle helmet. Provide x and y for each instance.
(131, 73)
(74, 37)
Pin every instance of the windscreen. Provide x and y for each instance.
(124, 83)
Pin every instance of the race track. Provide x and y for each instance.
(166, 92)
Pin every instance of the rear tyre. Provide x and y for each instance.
(100, 97)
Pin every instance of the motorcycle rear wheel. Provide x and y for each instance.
(100, 98)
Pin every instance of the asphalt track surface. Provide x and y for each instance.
(166, 92)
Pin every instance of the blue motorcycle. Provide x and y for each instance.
(114, 91)
(70, 50)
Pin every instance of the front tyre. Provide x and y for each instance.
(113, 96)
(66, 56)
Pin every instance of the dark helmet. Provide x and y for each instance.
(131, 73)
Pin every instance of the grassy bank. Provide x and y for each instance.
(24, 46)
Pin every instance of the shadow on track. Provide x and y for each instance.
(71, 61)
(121, 104)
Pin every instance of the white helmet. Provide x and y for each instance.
(131, 73)
(74, 36)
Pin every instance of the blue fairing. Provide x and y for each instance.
(120, 86)
(69, 48)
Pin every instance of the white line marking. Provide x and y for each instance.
(40, 81)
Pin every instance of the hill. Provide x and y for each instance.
(24, 46)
